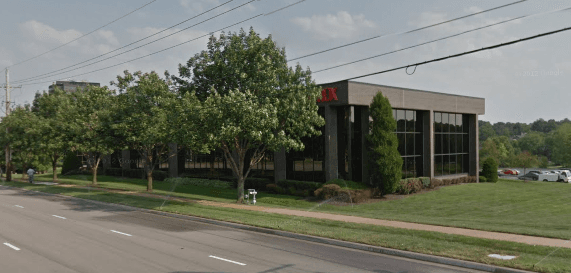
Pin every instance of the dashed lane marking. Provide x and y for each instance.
(60, 217)
(122, 233)
(11, 246)
(226, 260)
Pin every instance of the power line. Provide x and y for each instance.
(463, 53)
(68, 68)
(211, 33)
(84, 34)
(406, 32)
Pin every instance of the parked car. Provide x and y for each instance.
(552, 177)
(533, 175)
(512, 172)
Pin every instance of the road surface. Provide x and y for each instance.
(40, 233)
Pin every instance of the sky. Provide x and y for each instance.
(521, 82)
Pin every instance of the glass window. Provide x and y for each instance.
(446, 165)
(453, 143)
(410, 144)
(459, 147)
(459, 123)
(438, 144)
(402, 140)
(445, 143)
(452, 122)
(460, 166)
(401, 121)
(438, 165)
(437, 122)
(445, 124)
(409, 121)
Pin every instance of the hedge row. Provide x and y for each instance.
(412, 185)
(136, 173)
(200, 182)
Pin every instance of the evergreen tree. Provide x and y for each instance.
(386, 162)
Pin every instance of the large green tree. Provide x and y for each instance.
(386, 161)
(252, 101)
(89, 116)
(55, 138)
(557, 142)
(24, 137)
(145, 115)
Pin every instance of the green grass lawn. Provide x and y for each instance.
(532, 208)
(535, 258)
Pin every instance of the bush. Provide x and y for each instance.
(386, 161)
(160, 175)
(425, 182)
(347, 184)
(259, 184)
(334, 191)
(273, 188)
(200, 182)
(483, 179)
(434, 182)
(114, 172)
(299, 185)
(490, 170)
(71, 163)
(408, 186)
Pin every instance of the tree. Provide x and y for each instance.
(145, 116)
(386, 161)
(486, 130)
(490, 170)
(252, 101)
(533, 142)
(90, 116)
(54, 138)
(526, 160)
(557, 142)
(24, 137)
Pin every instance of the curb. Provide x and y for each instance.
(311, 238)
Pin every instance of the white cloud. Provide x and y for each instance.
(41, 32)
(340, 26)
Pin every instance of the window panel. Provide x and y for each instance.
(453, 143)
(459, 123)
(452, 122)
(438, 165)
(438, 122)
(410, 144)
(445, 143)
(401, 138)
(446, 165)
(460, 165)
(401, 121)
(410, 169)
(459, 147)
(453, 164)
(409, 121)
(438, 144)
(445, 124)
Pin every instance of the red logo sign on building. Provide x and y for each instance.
(328, 94)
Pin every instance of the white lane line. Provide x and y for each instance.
(18, 206)
(13, 247)
(60, 217)
(122, 233)
(222, 259)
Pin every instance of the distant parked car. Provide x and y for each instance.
(533, 175)
(512, 172)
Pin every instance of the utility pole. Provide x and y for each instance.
(8, 152)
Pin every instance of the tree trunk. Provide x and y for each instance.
(149, 169)
(94, 169)
(8, 171)
(54, 167)
(240, 190)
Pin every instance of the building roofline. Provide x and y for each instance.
(403, 88)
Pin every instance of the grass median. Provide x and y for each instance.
(536, 258)
(511, 206)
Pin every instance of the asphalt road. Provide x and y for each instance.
(40, 233)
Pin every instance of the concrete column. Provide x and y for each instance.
(473, 151)
(280, 165)
(173, 160)
(364, 116)
(331, 157)
(126, 159)
(428, 142)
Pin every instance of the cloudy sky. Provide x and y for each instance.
(520, 83)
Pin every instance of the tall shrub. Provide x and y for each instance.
(490, 170)
(386, 162)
